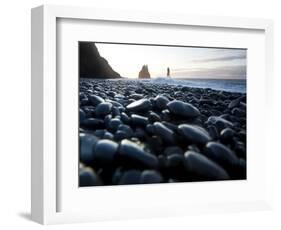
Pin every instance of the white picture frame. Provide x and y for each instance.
(45, 90)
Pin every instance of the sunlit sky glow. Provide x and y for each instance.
(184, 62)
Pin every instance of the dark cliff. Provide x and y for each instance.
(92, 65)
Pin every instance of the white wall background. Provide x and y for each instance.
(15, 113)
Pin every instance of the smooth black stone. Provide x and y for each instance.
(155, 143)
(243, 98)
(194, 134)
(108, 135)
(102, 94)
(178, 94)
(173, 180)
(215, 112)
(114, 124)
(166, 115)
(136, 96)
(240, 149)
(150, 129)
(120, 135)
(119, 96)
(89, 110)
(170, 125)
(185, 88)
(193, 148)
(126, 129)
(82, 95)
(107, 119)
(125, 118)
(175, 160)
(132, 151)
(227, 134)
(150, 177)
(225, 116)
(198, 164)
(82, 115)
(95, 100)
(87, 144)
(242, 135)
(122, 109)
(213, 119)
(93, 123)
(220, 125)
(139, 120)
(206, 101)
(220, 154)
(99, 133)
(131, 101)
(122, 102)
(130, 177)
(173, 150)
(242, 105)
(139, 106)
(84, 101)
(103, 109)
(115, 104)
(162, 162)
(111, 94)
(161, 102)
(219, 122)
(213, 132)
(234, 103)
(139, 133)
(105, 151)
(154, 117)
(165, 133)
(183, 109)
(115, 111)
(240, 171)
(88, 177)
(238, 112)
(242, 164)
(116, 176)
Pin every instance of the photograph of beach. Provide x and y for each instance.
(161, 114)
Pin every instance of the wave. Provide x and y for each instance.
(230, 85)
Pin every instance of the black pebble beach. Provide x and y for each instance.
(139, 132)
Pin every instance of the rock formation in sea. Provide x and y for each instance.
(144, 73)
(168, 72)
(92, 65)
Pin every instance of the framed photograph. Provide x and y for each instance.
(138, 114)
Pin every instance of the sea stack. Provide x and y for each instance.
(168, 72)
(92, 65)
(144, 73)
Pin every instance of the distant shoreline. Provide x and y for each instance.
(227, 85)
(155, 78)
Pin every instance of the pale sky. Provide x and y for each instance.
(184, 62)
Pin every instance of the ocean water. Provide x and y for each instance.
(216, 84)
